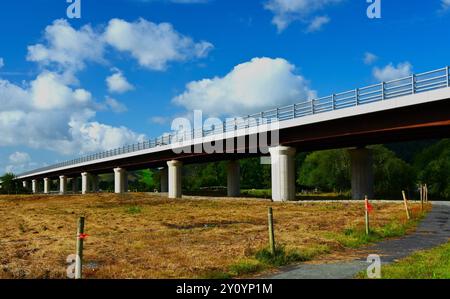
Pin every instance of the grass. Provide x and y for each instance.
(144, 236)
(133, 210)
(426, 264)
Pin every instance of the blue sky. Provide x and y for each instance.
(165, 58)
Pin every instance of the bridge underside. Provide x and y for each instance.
(422, 121)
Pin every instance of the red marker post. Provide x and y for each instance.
(79, 255)
(368, 210)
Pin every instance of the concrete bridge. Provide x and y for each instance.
(411, 108)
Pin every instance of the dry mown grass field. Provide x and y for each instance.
(146, 236)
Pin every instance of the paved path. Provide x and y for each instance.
(433, 231)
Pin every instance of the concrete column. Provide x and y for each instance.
(362, 173)
(119, 180)
(34, 186)
(25, 184)
(233, 179)
(175, 168)
(94, 181)
(164, 180)
(46, 186)
(84, 183)
(75, 185)
(283, 173)
(62, 184)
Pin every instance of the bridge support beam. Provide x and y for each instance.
(233, 179)
(85, 183)
(283, 173)
(362, 173)
(175, 173)
(46, 186)
(34, 186)
(164, 180)
(119, 180)
(62, 184)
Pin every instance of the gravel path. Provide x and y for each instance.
(433, 231)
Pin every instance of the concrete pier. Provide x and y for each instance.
(283, 173)
(84, 183)
(46, 186)
(175, 188)
(62, 184)
(34, 186)
(119, 180)
(362, 173)
(25, 185)
(233, 179)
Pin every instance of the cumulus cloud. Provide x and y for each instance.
(67, 48)
(153, 45)
(48, 114)
(19, 158)
(392, 72)
(317, 23)
(117, 83)
(287, 11)
(159, 120)
(370, 58)
(250, 87)
(115, 105)
(17, 162)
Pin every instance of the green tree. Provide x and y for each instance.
(433, 167)
(391, 174)
(327, 170)
(9, 185)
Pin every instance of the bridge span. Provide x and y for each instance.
(411, 108)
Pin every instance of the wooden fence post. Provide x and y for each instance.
(366, 201)
(421, 191)
(405, 201)
(79, 254)
(271, 232)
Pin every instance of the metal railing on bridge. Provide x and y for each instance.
(415, 83)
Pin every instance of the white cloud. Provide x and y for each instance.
(287, 11)
(391, 72)
(153, 45)
(67, 48)
(17, 162)
(115, 105)
(117, 83)
(250, 87)
(47, 114)
(95, 136)
(2, 62)
(370, 58)
(19, 158)
(49, 93)
(317, 23)
(159, 120)
(445, 4)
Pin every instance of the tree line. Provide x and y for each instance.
(397, 167)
